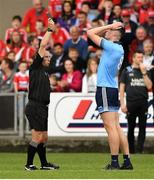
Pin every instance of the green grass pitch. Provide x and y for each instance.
(75, 166)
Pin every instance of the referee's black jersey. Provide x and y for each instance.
(39, 85)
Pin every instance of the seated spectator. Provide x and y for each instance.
(148, 57)
(149, 24)
(137, 43)
(67, 18)
(57, 61)
(116, 14)
(2, 50)
(17, 45)
(40, 29)
(79, 64)
(11, 55)
(106, 12)
(21, 78)
(31, 49)
(60, 35)
(37, 12)
(79, 4)
(86, 7)
(16, 25)
(83, 24)
(6, 76)
(55, 8)
(77, 42)
(71, 80)
(90, 78)
(54, 84)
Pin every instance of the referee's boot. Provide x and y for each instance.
(111, 167)
(49, 166)
(126, 166)
(30, 167)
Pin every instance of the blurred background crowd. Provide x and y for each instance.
(74, 57)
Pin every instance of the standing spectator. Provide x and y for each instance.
(149, 24)
(136, 82)
(106, 12)
(16, 25)
(6, 76)
(129, 35)
(55, 8)
(90, 78)
(79, 64)
(77, 42)
(21, 78)
(57, 61)
(67, 18)
(2, 50)
(38, 12)
(60, 35)
(71, 80)
(148, 57)
(137, 43)
(83, 24)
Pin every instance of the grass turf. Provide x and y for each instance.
(75, 166)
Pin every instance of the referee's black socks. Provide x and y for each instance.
(32, 148)
(114, 161)
(126, 159)
(41, 149)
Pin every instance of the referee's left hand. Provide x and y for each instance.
(51, 24)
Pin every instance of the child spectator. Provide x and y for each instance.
(21, 78)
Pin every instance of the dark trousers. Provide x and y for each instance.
(137, 109)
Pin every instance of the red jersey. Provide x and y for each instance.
(55, 8)
(2, 49)
(31, 17)
(60, 36)
(22, 80)
(22, 32)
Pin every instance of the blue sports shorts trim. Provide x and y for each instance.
(107, 99)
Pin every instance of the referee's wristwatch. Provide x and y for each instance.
(50, 30)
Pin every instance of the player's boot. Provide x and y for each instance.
(49, 166)
(30, 167)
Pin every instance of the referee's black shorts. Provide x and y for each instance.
(37, 115)
(107, 99)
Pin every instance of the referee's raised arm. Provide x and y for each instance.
(46, 37)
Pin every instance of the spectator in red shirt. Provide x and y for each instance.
(72, 79)
(79, 4)
(137, 43)
(54, 84)
(40, 29)
(16, 25)
(143, 13)
(60, 34)
(17, 45)
(55, 7)
(38, 12)
(21, 78)
(2, 50)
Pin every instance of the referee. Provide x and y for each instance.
(107, 90)
(37, 107)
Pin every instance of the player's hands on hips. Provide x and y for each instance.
(51, 24)
(117, 25)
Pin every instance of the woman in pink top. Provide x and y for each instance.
(71, 80)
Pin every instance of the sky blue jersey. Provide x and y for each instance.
(110, 62)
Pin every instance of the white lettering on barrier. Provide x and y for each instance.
(74, 114)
